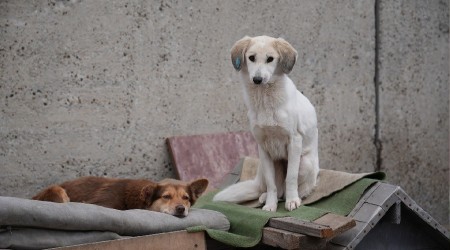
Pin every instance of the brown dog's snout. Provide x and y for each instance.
(180, 210)
(257, 80)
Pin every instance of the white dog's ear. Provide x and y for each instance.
(288, 55)
(238, 52)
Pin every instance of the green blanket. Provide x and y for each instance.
(246, 223)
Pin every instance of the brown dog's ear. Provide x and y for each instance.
(148, 192)
(288, 55)
(197, 188)
(238, 52)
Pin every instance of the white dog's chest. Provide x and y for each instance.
(273, 139)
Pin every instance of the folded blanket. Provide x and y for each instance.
(246, 223)
(18, 214)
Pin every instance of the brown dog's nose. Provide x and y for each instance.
(257, 80)
(180, 210)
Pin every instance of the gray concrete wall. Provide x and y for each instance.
(414, 100)
(94, 87)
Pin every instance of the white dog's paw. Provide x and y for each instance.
(270, 207)
(262, 198)
(292, 204)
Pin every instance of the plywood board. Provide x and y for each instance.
(210, 156)
(289, 240)
(165, 241)
(327, 226)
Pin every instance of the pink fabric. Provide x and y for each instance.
(210, 156)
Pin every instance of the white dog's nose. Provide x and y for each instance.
(257, 79)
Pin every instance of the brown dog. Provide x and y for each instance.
(168, 196)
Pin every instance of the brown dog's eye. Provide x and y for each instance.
(269, 59)
(185, 197)
(251, 58)
(167, 197)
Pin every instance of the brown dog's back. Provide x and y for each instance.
(168, 196)
(108, 192)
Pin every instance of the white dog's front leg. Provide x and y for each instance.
(294, 156)
(269, 177)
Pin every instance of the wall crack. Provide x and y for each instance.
(377, 140)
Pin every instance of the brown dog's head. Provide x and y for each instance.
(173, 196)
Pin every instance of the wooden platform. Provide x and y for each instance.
(286, 233)
(165, 241)
(291, 233)
(218, 156)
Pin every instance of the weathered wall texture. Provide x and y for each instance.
(95, 87)
(414, 100)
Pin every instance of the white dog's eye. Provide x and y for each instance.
(251, 58)
(269, 59)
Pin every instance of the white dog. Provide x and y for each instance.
(283, 122)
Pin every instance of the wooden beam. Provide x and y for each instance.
(327, 226)
(171, 241)
(337, 223)
(289, 240)
(299, 226)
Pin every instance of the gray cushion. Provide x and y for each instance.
(17, 214)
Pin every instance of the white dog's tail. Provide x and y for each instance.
(240, 192)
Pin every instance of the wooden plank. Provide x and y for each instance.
(299, 226)
(327, 226)
(170, 241)
(369, 213)
(289, 240)
(281, 238)
(337, 223)
(356, 233)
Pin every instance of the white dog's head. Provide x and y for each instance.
(263, 58)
